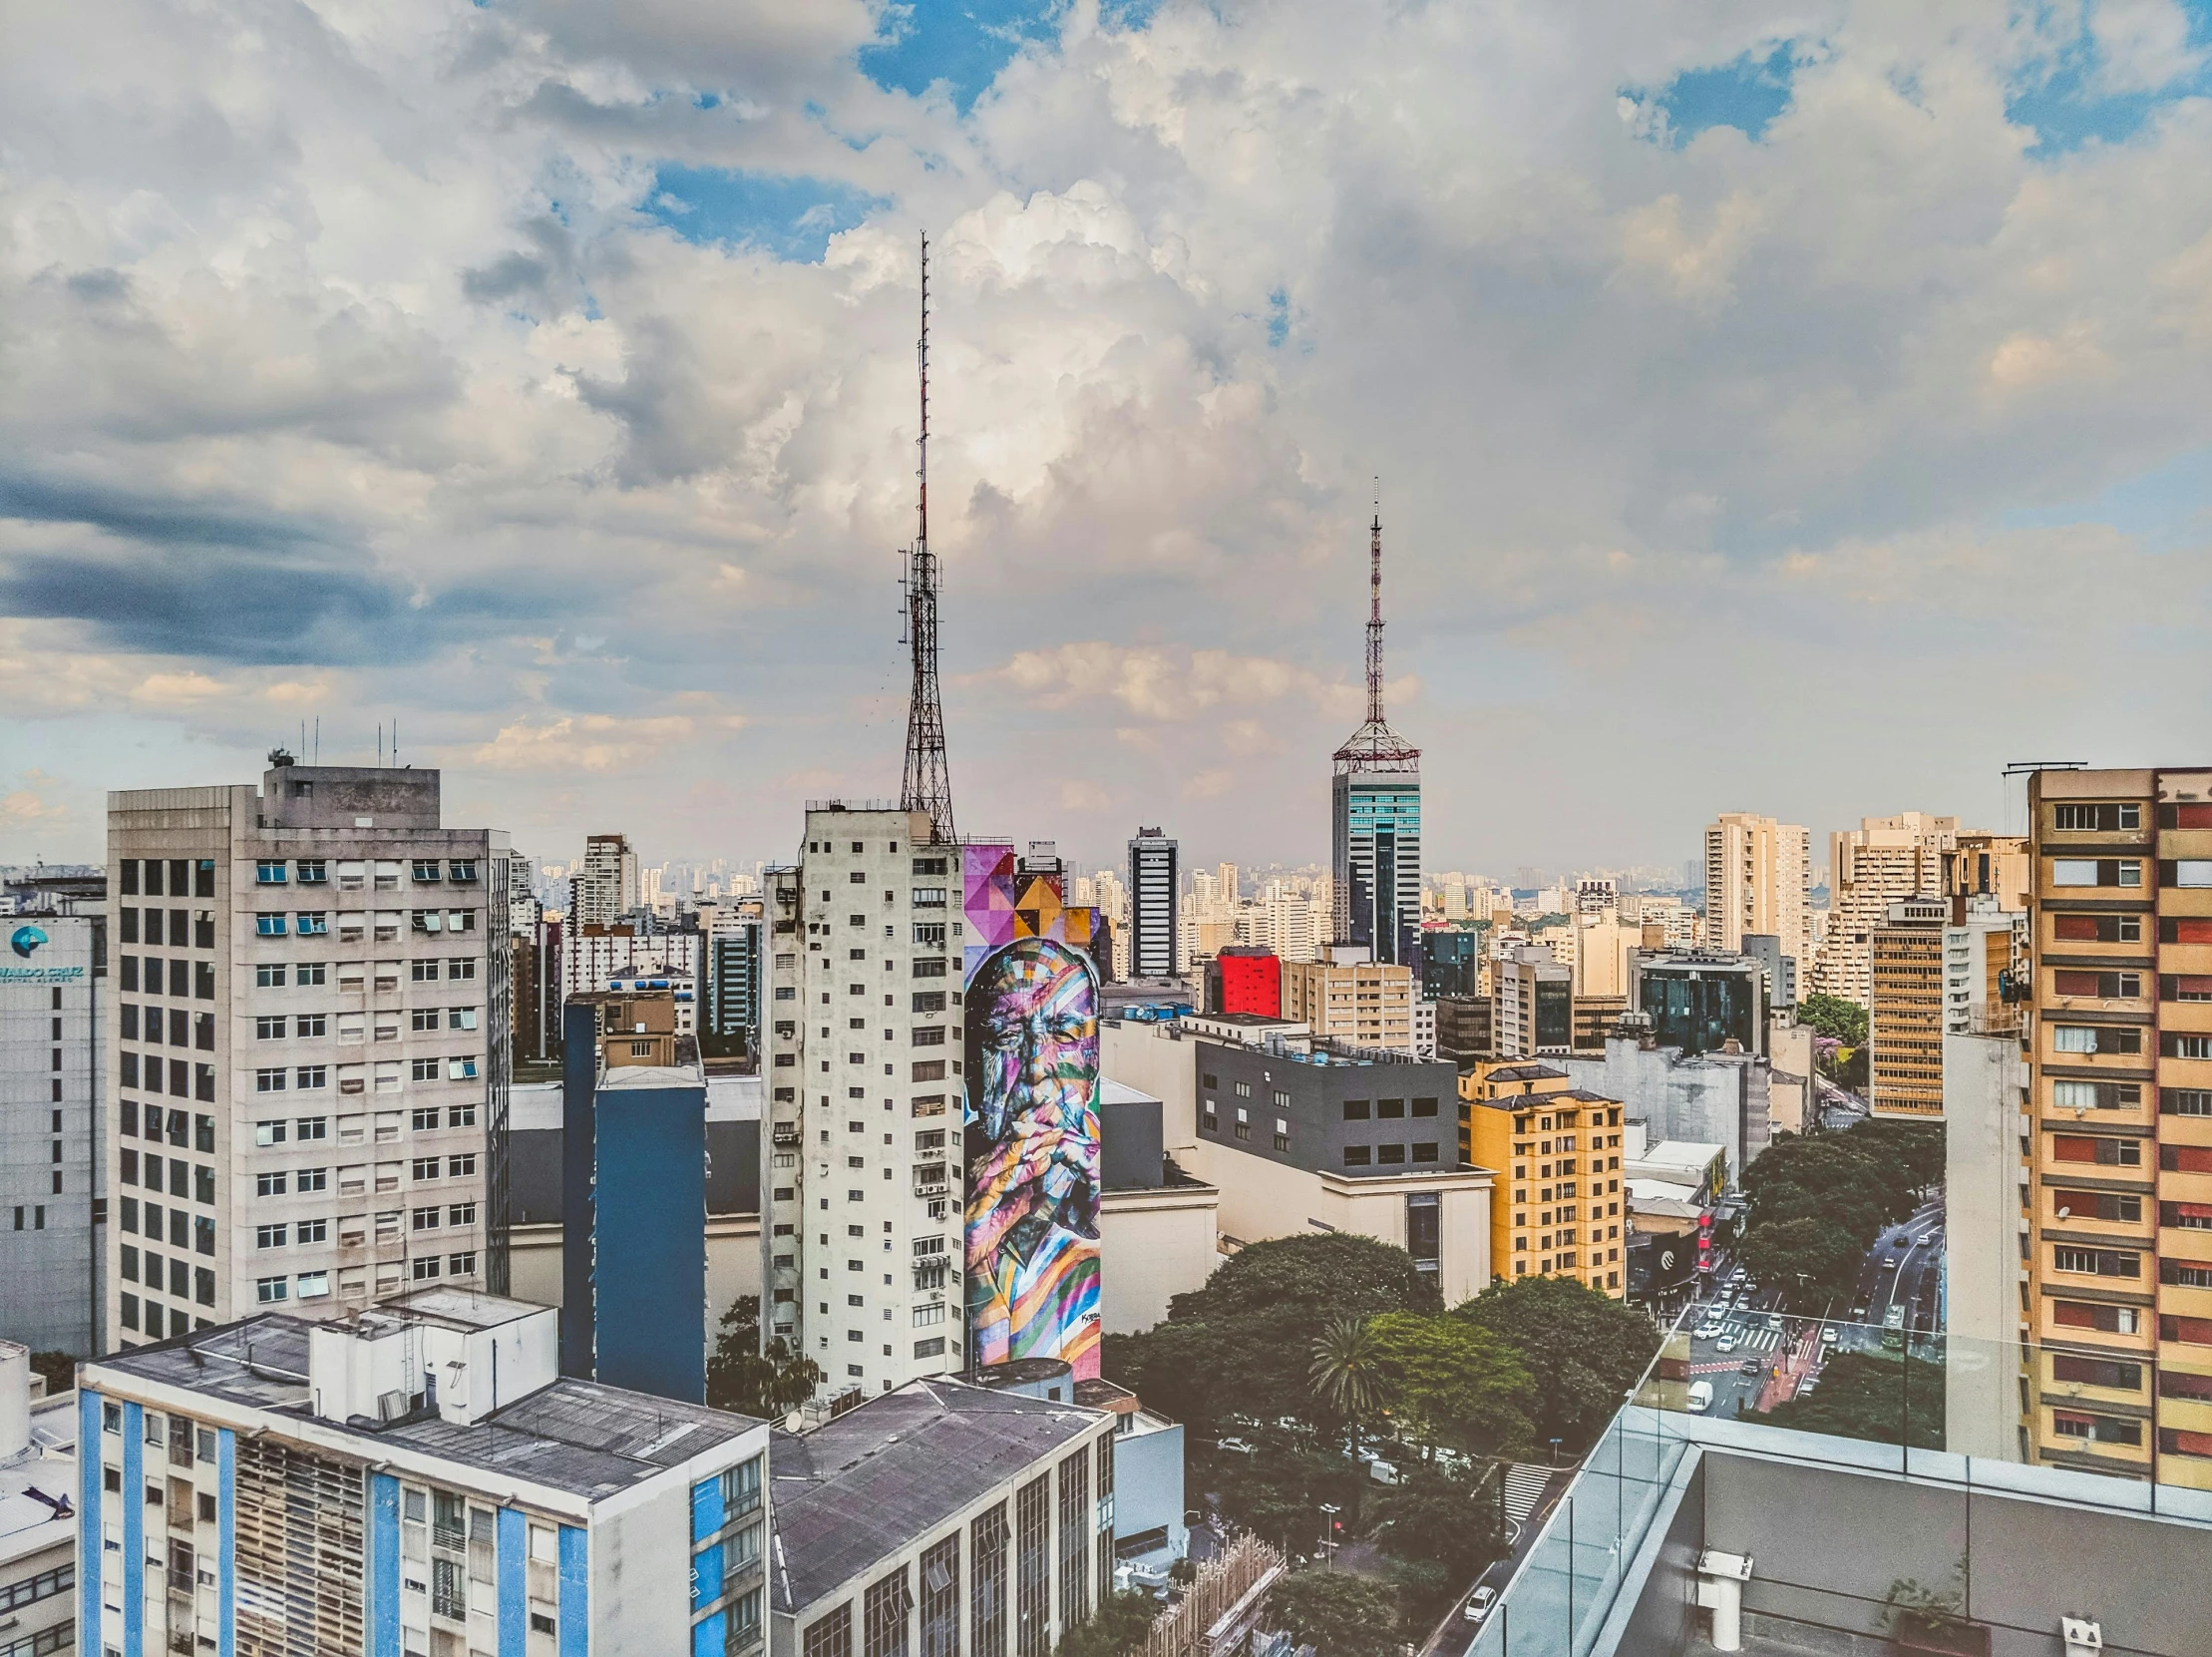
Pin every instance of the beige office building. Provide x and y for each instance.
(1350, 999)
(1870, 868)
(1906, 1021)
(1758, 878)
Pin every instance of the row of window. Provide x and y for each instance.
(185, 1180)
(177, 877)
(202, 1129)
(183, 978)
(2128, 986)
(181, 1230)
(273, 1027)
(277, 1078)
(315, 871)
(2126, 873)
(1356, 1156)
(179, 929)
(180, 1024)
(182, 1276)
(315, 922)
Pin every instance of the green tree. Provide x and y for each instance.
(1336, 1613)
(1583, 1349)
(1245, 1341)
(743, 1377)
(1835, 1018)
(1809, 1259)
(1347, 1372)
(1872, 1396)
(1118, 1627)
(1278, 1493)
(1913, 1149)
(1451, 1383)
(1447, 1519)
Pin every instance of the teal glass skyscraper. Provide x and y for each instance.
(1375, 814)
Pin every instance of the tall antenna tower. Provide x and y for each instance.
(928, 785)
(1374, 747)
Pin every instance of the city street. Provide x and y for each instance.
(1915, 1283)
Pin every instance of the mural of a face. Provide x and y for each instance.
(1032, 1156)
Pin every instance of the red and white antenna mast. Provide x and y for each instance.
(928, 784)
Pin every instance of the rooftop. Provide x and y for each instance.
(38, 1485)
(872, 1481)
(573, 1435)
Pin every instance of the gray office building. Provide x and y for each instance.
(1336, 1111)
(53, 985)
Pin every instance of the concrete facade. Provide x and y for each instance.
(54, 990)
(1985, 1119)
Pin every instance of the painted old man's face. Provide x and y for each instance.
(1038, 1040)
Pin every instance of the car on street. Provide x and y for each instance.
(1700, 1397)
(1890, 1261)
(1726, 1343)
(1828, 1335)
(1234, 1447)
(1479, 1604)
(1710, 1330)
(1750, 1365)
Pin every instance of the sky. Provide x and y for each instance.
(1803, 408)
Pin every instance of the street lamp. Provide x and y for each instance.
(1329, 1511)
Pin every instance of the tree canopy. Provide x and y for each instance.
(1448, 1381)
(1872, 1395)
(1833, 1016)
(1117, 1627)
(1583, 1349)
(1336, 1613)
(1245, 1340)
(1812, 1258)
(1438, 1516)
(743, 1377)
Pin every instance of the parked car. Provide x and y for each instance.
(1828, 1335)
(1479, 1604)
(1381, 1471)
(1234, 1447)
(1750, 1365)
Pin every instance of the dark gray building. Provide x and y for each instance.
(1700, 1001)
(1153, 885)
(1339, 1110)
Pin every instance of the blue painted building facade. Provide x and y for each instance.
(634, 1216)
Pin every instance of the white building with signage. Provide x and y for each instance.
(53, 984)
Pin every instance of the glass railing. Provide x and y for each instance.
(2094, 1423)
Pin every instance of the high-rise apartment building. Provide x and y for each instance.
(1532, 1004)
(1349, 999)
(1155, 948)
(1870, 868)
(54, 990)
(1562, 1216)
(1905, 1020)
(307, 1047)
(1982, 946)
(862, 1240)
(733, 990)
(2120, 1297)
(1758, 879)
(605, 888)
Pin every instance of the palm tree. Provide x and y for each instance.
(1347, 1372)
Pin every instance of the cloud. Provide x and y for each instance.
(543, 376)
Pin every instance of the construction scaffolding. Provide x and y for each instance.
(1220, 1606)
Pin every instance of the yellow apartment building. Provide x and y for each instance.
(1557, 1208)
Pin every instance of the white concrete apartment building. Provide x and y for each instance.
(1883, 860)
(862, 1171)
(1349, 996)
(1980, 945)
(1758, 878)
(308, 1048)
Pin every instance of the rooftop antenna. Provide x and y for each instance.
(1374, 747)
(380, 743)
(928, 784)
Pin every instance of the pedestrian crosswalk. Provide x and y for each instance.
(1524, 1489)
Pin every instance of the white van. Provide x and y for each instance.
(1700, 1397)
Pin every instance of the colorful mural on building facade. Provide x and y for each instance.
(1031, 1016)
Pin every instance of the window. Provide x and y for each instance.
(2174, 1045)
(269, 975)
(2124, 1206)
(2189, 872)
(427, 869)
(1389, 1153)
(269, 1185)
(461, 1069)
(460, 1214)
(2109, 1320)
(309, 1078)
(2104, 1430)
(313, 871)
(269, 1028)
(2104, 986)
(427, 1266)
(424, 1017)
(422, 1069)
(1424, 1152)
(2120, 1154)
(268, 1236)
(2186, 1274)
(2098, 929)
(1391, 1110)
(1424, 1107)
(2097, 1039)
(461, 1116)
(2096, 1262)
(2186, 1102)
(2096, 1095)
(423, 1119)
(427, 1167)
(1356, 1110)
(269, 1134)
(2097, 871)
(310, 973)
(311, 1179)
(313, 923)
(311, 1127)
(269, 872)
(2185, 987)
(460, 1168)
(461, 869)
(2108, 818)
(426, 1219)
(268, 1290)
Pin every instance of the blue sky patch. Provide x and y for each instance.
(1746, 95)
(1279, 318)
(790, 217)
(2168, 507)
(2058, 97)
(963, 43)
